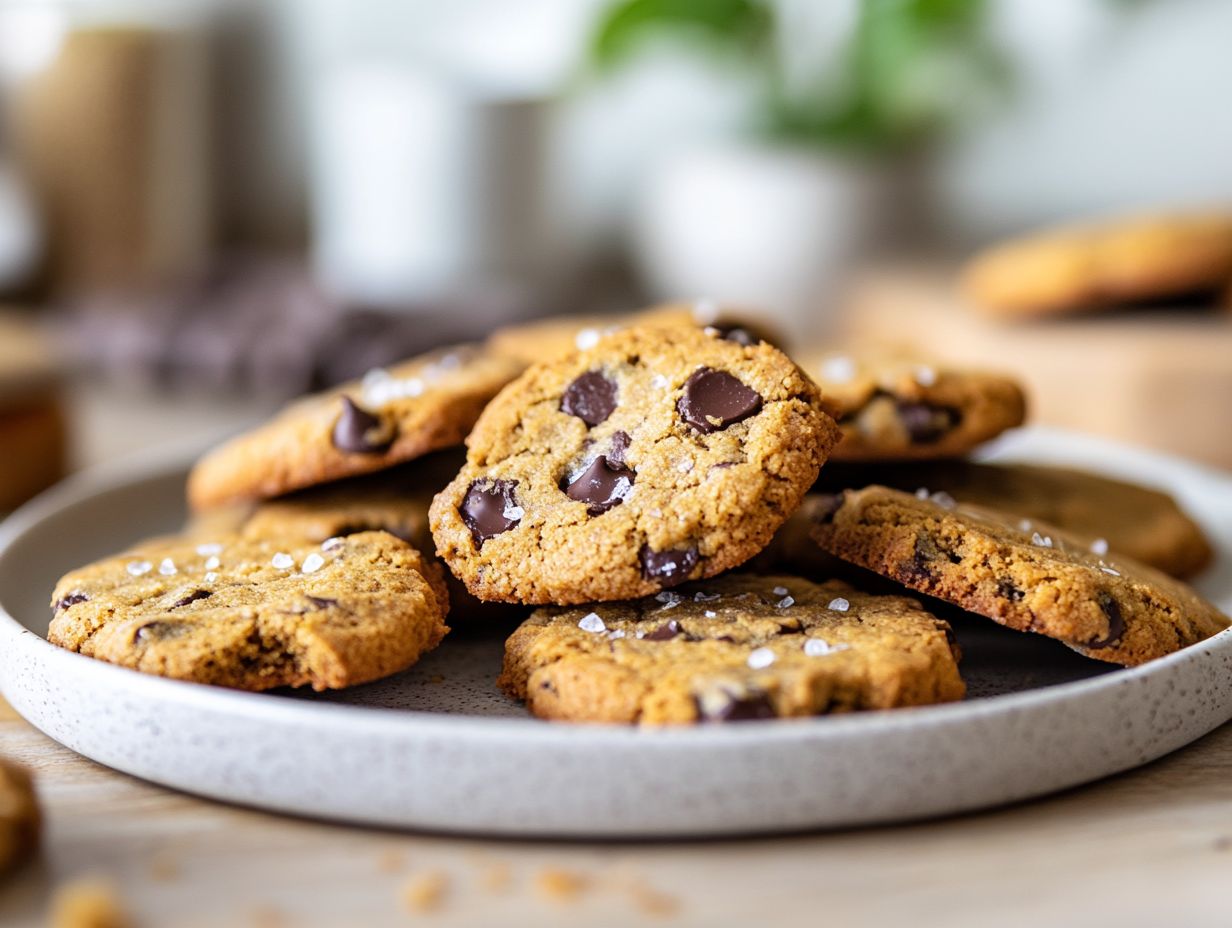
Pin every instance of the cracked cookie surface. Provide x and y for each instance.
(254, 613)
(898, 408)
(392, 415)
(732, 648)
(1028, 576)
(656, 457)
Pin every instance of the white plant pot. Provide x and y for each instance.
(761, 227)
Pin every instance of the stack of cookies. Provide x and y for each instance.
(654, 488)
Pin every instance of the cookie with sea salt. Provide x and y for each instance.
(898, 408)
(656, 457)
(1102, 514)
(254, 613)
(1030, 577)
(413, 408)
(732, 648)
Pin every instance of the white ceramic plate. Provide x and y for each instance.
(438, 747)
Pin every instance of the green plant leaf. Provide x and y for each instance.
(732, 24)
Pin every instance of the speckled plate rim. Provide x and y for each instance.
(863, 761)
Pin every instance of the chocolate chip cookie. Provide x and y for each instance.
(1103, 515)
(394, 501)
(656, 457)
(729, 649)
(1101, 265)
(19, 816)
(252, 613)
(1028, 576)
(546, 340)
(393, 415)
(897, 408)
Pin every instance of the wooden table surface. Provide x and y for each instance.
(1148, 848)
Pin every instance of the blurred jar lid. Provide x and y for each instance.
(29, 365)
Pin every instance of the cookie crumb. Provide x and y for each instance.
(426, 891)
(561, 885)
(88, 903)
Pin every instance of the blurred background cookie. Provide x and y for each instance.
(1116, 262)
(896, 407)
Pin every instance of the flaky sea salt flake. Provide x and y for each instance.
(760, 658)
(591, 623)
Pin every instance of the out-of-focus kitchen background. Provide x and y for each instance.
(207, 207)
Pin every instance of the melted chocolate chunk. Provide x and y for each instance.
(591, 397)
(926, 424)
(160, 631)
(734, 708)
(488, 509)
(1007, 590)
(321, 602)
(192, 598)
(665, 632)
(713, 400)
(602, 485)
(1116, 622)
(359, 431)
(669, 568)
(71, 599)
(620, 444)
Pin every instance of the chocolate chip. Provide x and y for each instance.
(665, 632)
(620, 444)
(1116, 622)
(490, 509)
(915, 570)
(925, 423)
(1007, 590)
(602, 485)
(321, 602)
(71, 599)
(192, 598)
(160, 631)
(359, 431)
(734, 708)
(591, 397)
(713, 400)
(670, 568)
